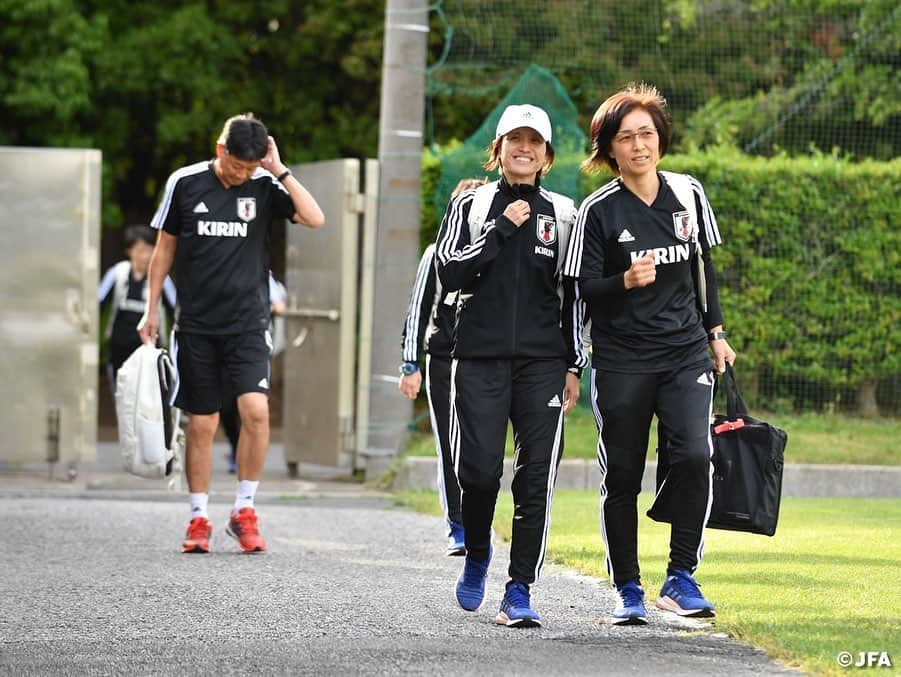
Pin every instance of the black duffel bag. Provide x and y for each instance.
(748, 456)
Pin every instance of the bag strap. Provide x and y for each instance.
(681, 187)
(735, 404)
(164, 371)
(565, 215)
(478, 210)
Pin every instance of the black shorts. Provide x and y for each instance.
(212, 367)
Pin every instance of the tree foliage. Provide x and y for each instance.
(810, 268)
(765, 75)
(150, 84)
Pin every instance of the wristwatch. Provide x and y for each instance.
(716, 335)
(407, 368)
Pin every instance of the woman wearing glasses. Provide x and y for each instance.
(657, 335)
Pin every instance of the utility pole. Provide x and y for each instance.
(401, 124)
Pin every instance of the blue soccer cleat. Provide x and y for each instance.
(629, 605)
(682, 595)
(456, 544)
(516, 610)
(470, 589)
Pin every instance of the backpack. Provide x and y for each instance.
(120, 290)
(680, 184)
(150, 439)
(564, 211)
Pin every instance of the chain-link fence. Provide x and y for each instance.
(789, 113)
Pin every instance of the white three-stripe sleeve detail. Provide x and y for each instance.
(453, 227)
(580, 312)
(412, 337)
(711, 229)
(162, 212)
(573, 265)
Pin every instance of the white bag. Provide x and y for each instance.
(150, 438)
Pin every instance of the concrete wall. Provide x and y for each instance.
(797, 480)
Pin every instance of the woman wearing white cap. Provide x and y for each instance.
(514, 360)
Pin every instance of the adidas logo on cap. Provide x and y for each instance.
(524, 115)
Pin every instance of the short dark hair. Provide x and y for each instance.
(245, 137)
(609, 116)
(139, 232)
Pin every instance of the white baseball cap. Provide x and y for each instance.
(525, 115)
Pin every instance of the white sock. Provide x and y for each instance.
(198, 505)
(247, 489)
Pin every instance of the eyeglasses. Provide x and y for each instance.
(645, 134)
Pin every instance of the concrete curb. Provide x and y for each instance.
(858, 481)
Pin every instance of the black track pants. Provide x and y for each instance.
(438, 389)
(623, 407)
(485, 395)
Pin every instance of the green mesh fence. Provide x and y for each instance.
(539, 87)
(766, 75)
(789, 112)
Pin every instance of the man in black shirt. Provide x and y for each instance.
(215, 219)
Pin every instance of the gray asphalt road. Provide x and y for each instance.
(349, 586)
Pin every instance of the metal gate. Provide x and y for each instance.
(49, 265)
(322, 278)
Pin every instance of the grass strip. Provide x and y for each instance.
(812, 438)
(827, 582)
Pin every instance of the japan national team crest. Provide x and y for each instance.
(546, 229)
(682, 225)
(247, 208)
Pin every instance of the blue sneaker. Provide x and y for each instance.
(629, 605)
(470, 590)
(516, 610)
(456, 544)
(681, 595)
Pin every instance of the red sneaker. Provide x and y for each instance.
(197, 538)
(242, 526)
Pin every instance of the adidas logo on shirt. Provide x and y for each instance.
(201, 208)
(626, 236)
(554, 402)
(264, 383)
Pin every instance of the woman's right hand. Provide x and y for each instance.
(518, 212)
(641, 273)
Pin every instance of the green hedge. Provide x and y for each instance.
(809, 273)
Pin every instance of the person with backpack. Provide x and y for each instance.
(214, 222)
(500, 246)
(123, 288)
(429, 328)
(639, 257)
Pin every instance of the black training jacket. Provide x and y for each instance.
(512, 303)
